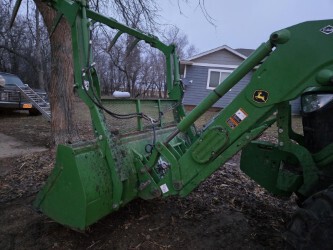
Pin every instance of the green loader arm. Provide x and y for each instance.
(294, 60)
(93, 179)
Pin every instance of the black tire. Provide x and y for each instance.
(34, 112)
(311, 227)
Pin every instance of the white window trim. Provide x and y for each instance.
(215, 65)
(224, 47)
(216, 70)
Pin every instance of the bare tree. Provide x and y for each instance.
(157, 62)
(173, 35)
(61, 92)
(40, 70)
(140, 13)
(126, 58)
(137, 14)
(61, 85)
(18, 50)
(202, 6)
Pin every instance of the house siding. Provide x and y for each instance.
(197, 90)
(296, 106)
(222, 57)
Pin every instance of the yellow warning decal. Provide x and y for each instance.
(237, 118)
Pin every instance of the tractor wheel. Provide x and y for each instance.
(311, 226)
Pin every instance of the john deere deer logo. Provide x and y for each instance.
(260, 96)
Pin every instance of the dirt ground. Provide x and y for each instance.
(228, 211)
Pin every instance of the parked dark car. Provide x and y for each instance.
(10, 96)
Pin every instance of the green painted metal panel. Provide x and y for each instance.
(263, 163)
(93, 179)
(79, 190)
(218, 140)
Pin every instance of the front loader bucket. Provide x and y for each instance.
(78, 191)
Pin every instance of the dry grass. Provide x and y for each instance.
(82, 115)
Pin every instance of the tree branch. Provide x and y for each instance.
(25, 58)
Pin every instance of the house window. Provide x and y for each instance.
(215, 77)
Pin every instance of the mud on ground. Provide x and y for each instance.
(227, 211)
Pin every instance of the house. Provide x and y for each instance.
(203, 72)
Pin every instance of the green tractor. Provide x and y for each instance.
(152, 149)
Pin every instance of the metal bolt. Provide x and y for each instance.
(155, 192)
(280, 130)
(177, 185)
(143, 185)
(142, 170)
(100, 137)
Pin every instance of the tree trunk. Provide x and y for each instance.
(61, 86)
(40, 72)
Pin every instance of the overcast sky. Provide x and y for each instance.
(241, 23)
